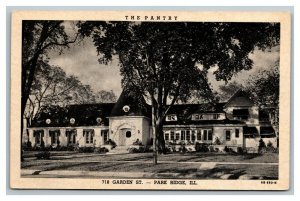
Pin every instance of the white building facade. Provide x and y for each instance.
(236, 123)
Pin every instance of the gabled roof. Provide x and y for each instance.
(137, 105)
(84, 115)
(189, 109)
(184, 114)
(239, 99)
(189, 121)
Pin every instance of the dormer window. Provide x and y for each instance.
(216, 116)
(240, 114)
(197, 116)
(171, 117)
(208, 116)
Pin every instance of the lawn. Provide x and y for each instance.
(174, 157)
(187, 165)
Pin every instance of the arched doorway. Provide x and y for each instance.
(125, 137)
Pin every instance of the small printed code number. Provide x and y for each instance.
(268, 182)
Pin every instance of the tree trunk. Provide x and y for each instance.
(154, 133)
(160, 138)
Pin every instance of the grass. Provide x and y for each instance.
(142, 162)
(174, 157)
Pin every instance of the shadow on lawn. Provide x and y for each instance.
(214, 173)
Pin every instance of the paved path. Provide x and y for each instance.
(161, 161)
(65, 173)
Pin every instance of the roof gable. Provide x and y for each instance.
(135, 104)
(239, 99)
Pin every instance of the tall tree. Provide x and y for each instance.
(52, 86)
(264, 89)
(166, 62)
(227, 90)
(38, 37)
(104, 96)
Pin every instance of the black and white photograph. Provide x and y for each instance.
(151, 100)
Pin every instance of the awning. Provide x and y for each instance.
(267, 131)
(250, 130)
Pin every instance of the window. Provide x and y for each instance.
(198, 134)
(193, 136)
(204, 134)
(227, 135)
(71, 135)
(105, 135)
(38, 135)
(167, 136)
(207, 135)
(237, 133)
(171, 117)
(128, 134)
(242, 114)
(216, 116)
(182, 135)
(188, 135)
(172, 135)
(89, 136)
(177, 136)
(54, 136)
(197, 116)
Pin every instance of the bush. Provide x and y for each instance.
(86, 150)
(271, 148)
(66, 148)
(110, 142)
(135, 150)
(101, 150)
(227, 149)
(29, 144)
(45, 155)
(211, 148)
(240, 150)
(137, 142)
(201, 147)
(217, 141)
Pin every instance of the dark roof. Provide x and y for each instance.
(248, 130)
(267, 130)
(240, 112)
(239, 98)
(136, 103)
(84, 115)
(189, 109)
(188, 121)
(184, 114)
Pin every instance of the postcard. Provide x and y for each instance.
(150, 100)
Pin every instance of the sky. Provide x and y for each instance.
(81, 60)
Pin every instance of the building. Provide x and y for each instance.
(235, 123)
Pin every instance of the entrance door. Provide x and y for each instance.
(124, 135)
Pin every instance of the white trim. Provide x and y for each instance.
(121, 117)
(63, 127)
(203, 126)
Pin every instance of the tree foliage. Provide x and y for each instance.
(167, 62)
(104, 96)
(38, 37)
(264, 87)
(53, 87)
(227, 90)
